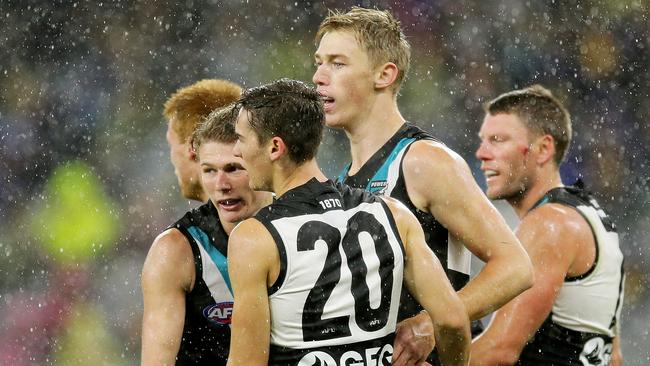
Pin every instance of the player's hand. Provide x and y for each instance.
(414, 341)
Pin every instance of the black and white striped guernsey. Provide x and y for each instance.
(336, 299)
(581, 325)
(208, 307)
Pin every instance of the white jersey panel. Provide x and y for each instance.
(304, 268)
(589, 304)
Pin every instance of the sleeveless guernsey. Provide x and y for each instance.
(208, 307)
(580, 328)
(337, 295)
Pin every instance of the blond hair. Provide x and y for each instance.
(190, 105)
(378, 32)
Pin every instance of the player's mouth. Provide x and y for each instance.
(231, 204)
(328, 102)
(490, 174)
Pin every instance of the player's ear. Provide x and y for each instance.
(386, 75)
(191, 152)
(545, 146)
(277, 148)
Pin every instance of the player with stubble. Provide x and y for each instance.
(361, 62)
(317, 275)
(571, 315)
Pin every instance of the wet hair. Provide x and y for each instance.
(288, 109)
(190, 105)
(378, 32)
(219, 126)
(541, 113)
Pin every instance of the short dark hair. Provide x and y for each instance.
(219, 126)
(541, 113)
(290, 110)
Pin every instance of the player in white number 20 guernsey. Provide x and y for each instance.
(317, 275)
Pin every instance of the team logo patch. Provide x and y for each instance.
(220, 313)
(378, 186)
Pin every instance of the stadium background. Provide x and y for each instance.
(85, 178)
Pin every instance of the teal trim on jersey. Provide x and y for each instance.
(219, 259)
(382, 172)
(542, 201)
(343, 174)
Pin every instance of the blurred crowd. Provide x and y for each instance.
(85, 178)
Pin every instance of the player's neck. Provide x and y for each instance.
(544, 183)
(228, 226)
(297, 176)
(367, 136)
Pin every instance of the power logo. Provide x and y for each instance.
(220, 313)
(376, 356)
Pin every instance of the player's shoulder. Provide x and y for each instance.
(400, 212)
(170, 260)
(251, 241)
(171, 244)
(250, 232)
(426, 155)
(555, 221)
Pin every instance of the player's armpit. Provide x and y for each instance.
(252, 257)
(551, 247)
(167, 275)
(439, 181)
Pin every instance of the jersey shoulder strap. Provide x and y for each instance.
(385, 161)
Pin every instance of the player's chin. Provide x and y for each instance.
(232, 216)
(493, 193)
(333, 121)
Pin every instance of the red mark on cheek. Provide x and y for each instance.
(524, 150)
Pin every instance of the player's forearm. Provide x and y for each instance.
(453, 344)
(500, 281)
(158, 352)
(161, 336)
(487, 351)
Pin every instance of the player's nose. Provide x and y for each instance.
(223, 181)
(320, 76)
(483, 152)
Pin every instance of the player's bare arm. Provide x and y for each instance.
(253, 264)
(427, 281)
(439, 182)
(550, 234)
(617, 354)
(167, 275)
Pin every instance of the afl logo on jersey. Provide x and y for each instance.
(220, 313)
